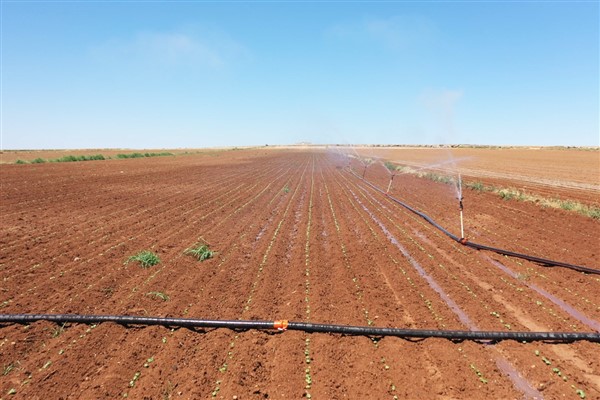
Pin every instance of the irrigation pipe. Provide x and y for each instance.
(283, 325)
(477, 246)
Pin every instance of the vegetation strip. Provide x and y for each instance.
(503, 193)
(71, 158)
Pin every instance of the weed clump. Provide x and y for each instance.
(146, 259)
(477, 186)
(200, 251)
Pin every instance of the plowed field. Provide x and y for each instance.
(296, 237)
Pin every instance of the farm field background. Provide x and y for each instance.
(297, 237)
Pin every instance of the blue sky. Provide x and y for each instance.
(92, 74)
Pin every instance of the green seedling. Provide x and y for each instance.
(135, 378)
(8, 368)
(145, 258)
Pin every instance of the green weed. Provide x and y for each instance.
(436, 177)
(200, 251)
(145, 258)
(477, 186)
(506, 194)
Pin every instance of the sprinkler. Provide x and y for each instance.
(390, 184)
(461, 207)
(365, 171)
(462, 227)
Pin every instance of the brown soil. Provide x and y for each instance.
(297, 237)
(552, 173)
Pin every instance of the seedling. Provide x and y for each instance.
(8, 368)
(148, 362)
(546, 361)
(146, 259)
(200, 251)
(135, 378)
(479, 374)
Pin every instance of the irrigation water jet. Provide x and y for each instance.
(437, 164)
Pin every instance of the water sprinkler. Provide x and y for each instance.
(365, 171)
(390, 184)
(461, 207)
(462, 227)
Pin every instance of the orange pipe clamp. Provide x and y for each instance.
(281, 325)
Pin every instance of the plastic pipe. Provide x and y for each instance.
(282, 325)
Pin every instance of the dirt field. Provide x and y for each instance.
(562, 173)
(297, 237)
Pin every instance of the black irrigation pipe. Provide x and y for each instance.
(282, 325)
(477, 246)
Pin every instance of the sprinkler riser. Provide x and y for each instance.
(462, 227)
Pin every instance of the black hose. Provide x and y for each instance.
(477, 246)
(305, 327)
(454, 335)
(133, 320)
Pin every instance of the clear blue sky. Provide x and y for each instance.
(94, 74)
